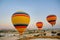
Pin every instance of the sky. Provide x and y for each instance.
(37, 9)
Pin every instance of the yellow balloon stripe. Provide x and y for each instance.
(21, 15)
(20, 20)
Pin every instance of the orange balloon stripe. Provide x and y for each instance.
(51, 16)
(20, 15)
(21, 30)
(39, 25)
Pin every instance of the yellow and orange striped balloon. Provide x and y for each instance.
(39, 25)
(51, 19)
(20, 21)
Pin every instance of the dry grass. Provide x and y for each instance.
(45, 37)
(28, 38)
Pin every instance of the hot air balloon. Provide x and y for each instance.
(51, 19)
(39, 25)
(20, 20)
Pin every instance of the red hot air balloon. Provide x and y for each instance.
(20, 21)
(51, 19)
(39, 25)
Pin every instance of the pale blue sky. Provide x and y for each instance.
(37, 9)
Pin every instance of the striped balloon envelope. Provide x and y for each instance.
(20, 21)
(39, 25)
(51, 19)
